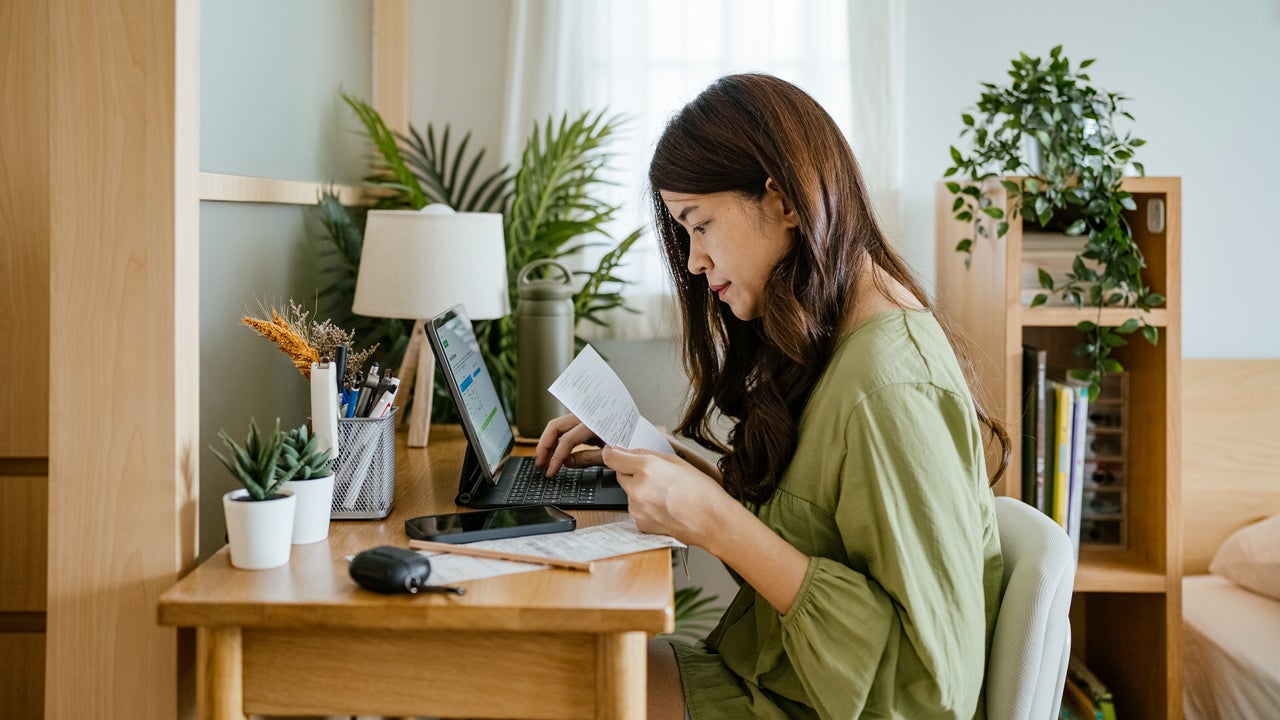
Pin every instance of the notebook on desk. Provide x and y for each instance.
(491, 476)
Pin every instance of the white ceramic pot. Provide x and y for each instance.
(259, 530)
(315, 503)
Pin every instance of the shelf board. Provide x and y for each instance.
(1107, 570)
(1069, 316)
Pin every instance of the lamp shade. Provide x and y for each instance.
(419, 263)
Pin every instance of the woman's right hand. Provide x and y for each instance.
(561, 436)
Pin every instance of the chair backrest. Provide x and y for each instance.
(1028, 664)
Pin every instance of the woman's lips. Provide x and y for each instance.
(719, 289)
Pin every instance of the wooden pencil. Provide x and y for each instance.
(468, 551)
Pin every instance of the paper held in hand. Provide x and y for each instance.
(592, 391)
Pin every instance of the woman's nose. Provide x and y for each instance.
(699, 261)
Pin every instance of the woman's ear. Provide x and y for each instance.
(778, 205)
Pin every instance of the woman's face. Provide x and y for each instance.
(735, 241)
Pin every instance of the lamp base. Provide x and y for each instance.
(417, 374)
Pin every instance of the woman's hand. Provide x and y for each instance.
(668, 495)
(559, 438)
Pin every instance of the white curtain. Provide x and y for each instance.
(644, 59)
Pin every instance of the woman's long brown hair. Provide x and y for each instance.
(736, 134)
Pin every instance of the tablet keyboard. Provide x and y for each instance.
(530, 486)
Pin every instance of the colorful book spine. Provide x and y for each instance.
(1063, 425)
(1093, 688)
(1034, 362)
(1075, 501)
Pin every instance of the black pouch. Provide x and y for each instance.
(390, 570)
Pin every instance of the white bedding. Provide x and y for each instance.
(1231, 651)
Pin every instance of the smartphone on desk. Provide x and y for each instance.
(490, 524)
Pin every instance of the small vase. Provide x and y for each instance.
(315, 503)
(259, 530)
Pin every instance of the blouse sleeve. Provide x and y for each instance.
(904, 614)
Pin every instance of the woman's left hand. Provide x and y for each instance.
(667, 495)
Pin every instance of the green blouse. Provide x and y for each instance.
(887, 494)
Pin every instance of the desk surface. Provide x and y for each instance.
(632, 593)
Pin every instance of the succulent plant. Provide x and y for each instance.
(299, 452)
(257, 464)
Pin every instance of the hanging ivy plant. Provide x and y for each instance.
(1059, 132)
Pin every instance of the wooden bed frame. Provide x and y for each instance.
(1230, 452)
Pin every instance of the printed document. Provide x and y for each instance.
(594, 543)
(590, 389)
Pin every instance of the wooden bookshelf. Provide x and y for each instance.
(1126, 614)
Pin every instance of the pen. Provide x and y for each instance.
(366, 391)
(497, 555)
(340, 359)
(383, 404)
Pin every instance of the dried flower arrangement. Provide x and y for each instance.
(306, 340)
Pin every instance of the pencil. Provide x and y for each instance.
(453, 549)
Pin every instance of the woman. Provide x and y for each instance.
(851, 499)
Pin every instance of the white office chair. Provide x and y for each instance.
(1028, 664)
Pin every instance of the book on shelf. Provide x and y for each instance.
(1079, 446)
(1076, 704)
(1064, 420)
(1092, 687)
(1034, 362)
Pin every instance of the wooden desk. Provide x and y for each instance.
(304, 639)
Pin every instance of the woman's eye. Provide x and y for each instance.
(700, 229)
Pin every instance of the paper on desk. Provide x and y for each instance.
(590, 389)
(594, 543)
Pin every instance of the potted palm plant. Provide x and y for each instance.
(549, 212)
(260, 514)
(312, 485)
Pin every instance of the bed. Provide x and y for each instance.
(1230, 635)
(1231, 651)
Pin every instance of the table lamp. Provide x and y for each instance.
(419, 263)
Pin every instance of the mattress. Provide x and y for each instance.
(1231, 651)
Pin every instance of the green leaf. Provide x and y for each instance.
(1039, 300)
(1128, 203)
(994, 212)
(1111, 365)
(967, 119)
(1001, 229)
(1086, 63)
(964, 245)
(956, 157)
(1011, 187)
(1129, 326)
(954, 187)
(1046, 280)
(385, 142)
(1151, 334)
(959, 203)
(1077, 227)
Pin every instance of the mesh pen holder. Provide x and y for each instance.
(364, 481)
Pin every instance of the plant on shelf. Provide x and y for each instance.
(1051, 126)
(548, 209)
